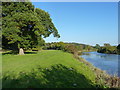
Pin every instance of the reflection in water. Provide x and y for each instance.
(107, 62)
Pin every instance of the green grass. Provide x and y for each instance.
(48, 68)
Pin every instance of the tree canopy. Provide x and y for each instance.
(24, 26)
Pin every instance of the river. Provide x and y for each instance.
(106, 62)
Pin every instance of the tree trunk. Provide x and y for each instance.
(21, 51)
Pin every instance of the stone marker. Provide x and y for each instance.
(21, 51)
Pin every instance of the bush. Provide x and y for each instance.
(71, 49)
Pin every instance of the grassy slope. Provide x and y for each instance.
(56, 60)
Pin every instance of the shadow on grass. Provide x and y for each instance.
(33, 52)
(16, 52)
(57, 76)
(10, 52)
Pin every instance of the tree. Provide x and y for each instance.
(97, 46)
(107, 45)
(118, 49)
(24, 26)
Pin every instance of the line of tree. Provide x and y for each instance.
(73, 48)
(24, 26)
(61, 46)
(83, 47)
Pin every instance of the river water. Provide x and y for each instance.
(106, 62)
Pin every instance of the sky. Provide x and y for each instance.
(83, 22)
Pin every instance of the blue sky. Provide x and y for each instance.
(83, 22)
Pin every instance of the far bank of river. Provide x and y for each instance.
(106, 62)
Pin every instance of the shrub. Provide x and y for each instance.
(71, 49)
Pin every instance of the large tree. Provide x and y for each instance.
(23, 26)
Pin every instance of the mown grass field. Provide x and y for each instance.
(45, 69)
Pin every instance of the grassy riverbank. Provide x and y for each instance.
(52, 68)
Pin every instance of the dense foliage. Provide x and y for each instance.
(107, 48)
(24, 26)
